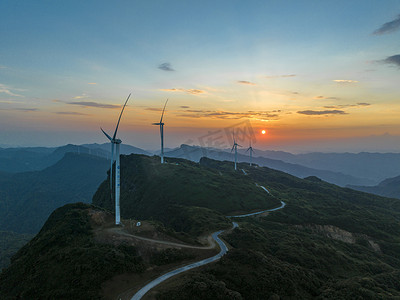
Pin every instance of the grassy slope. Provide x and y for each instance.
(281, 255)
(184, 195)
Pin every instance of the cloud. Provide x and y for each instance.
(94, 104)
(80, 97)
(166, 67)
(245, 82)
(394, 60)
(281, 76)
(92, 82)
(345, 81)
(21, 109)
(388, 27)
(73, 113)
(153, 109)
(326, 98)
(360, 104)
(7, 90)
(3, 67)
(226, 115)
(188, 91)
(184, 106)
(322, 112)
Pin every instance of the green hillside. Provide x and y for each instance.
(327, 243)
(64, 261)
(187, 196)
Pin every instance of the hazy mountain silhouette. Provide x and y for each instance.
(15, 160)
(28, 198)
(389, 188)
(194, 153)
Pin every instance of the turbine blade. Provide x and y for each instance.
(247, 149)
(119, 119)
(162, 115)
(155, 124)
(239, 145)
(109, 137)
(233, 147)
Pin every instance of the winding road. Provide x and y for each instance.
(203, 262)
(224, 249)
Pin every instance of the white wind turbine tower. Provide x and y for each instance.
(116, 142)
(251, 152)
(235, 145)
(162, 132)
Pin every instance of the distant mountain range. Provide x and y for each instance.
(388, 188)
(361, 169)
(28, 198)
(195, 153)
(14, 160)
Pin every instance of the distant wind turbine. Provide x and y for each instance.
(162, 132)
(235, 145)
(251, 152)
(116, 142)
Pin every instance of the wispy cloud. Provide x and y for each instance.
(245, 82)
(3, 67)
(184, 106)
(259, 115)
(322, 112)
(72, 113)
(21, 109)
(92, 82)
(188, 91)
(345, 81)
(326, 98)
(166, 67)
(153, 109)
(8, 90)
(94, 104)
(394, 60)
(389, 27)
(360, 104)
(281, 76)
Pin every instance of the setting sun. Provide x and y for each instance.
(263, 131)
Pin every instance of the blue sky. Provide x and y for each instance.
(301, 68)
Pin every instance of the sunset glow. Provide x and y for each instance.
(328, 78)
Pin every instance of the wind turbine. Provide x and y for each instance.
(251, 152)
(116, 142)
(235, 145)
(162, 132)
